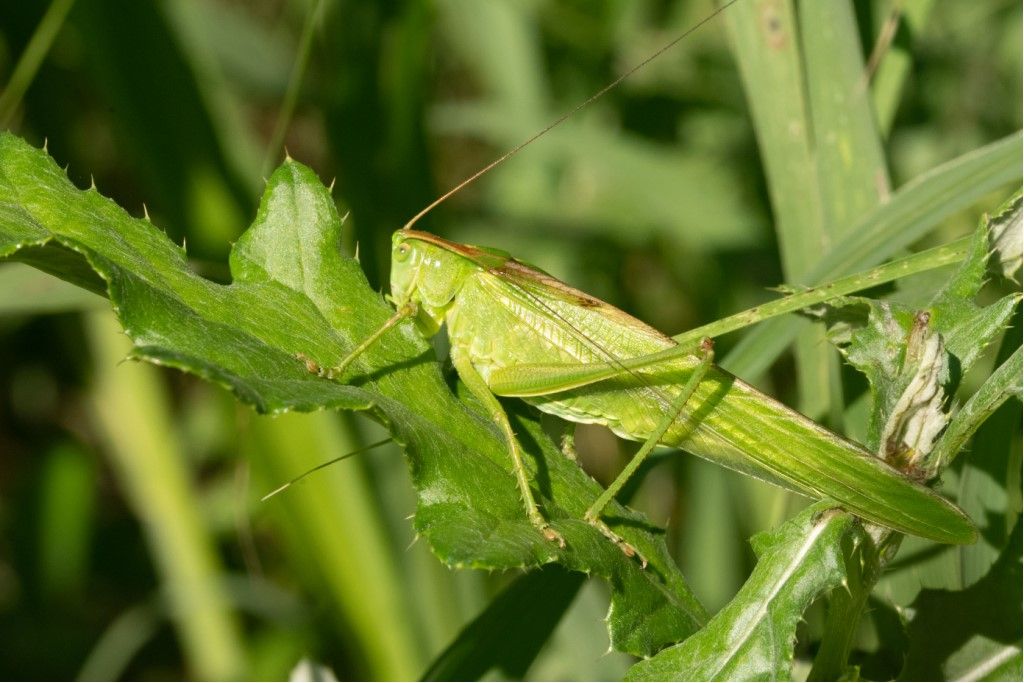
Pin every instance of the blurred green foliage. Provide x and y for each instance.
(656, 199)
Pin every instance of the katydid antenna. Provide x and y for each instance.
(561, 119)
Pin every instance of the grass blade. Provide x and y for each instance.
(510, 632)
(144, 452)
(31, 58)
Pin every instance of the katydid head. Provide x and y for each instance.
(427, 272)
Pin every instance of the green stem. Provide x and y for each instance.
(291, 95)
(892, 59)
(31, 58)
(864, 565)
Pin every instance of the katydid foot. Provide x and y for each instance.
(551, 535)
(541, 524)
(312, 366)
(627, 548)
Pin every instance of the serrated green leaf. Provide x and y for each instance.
(973, 634)
(904, 354)
(872, 335)
(752, 638)
(293, 296)
(967, 327)
(1001, 385)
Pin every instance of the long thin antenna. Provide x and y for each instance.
(322, 465)
(561, 119)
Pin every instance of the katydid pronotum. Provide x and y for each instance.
(518, 332)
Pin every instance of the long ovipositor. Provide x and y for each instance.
(530, 335)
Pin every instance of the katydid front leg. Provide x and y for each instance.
(408, 310)
(476, 384)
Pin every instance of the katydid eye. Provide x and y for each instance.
(403, 251)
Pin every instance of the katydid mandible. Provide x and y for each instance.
(516, 331)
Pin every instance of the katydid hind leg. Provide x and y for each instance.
(593, 514)
(476, 384)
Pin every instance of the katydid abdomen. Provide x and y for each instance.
(514, 317)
